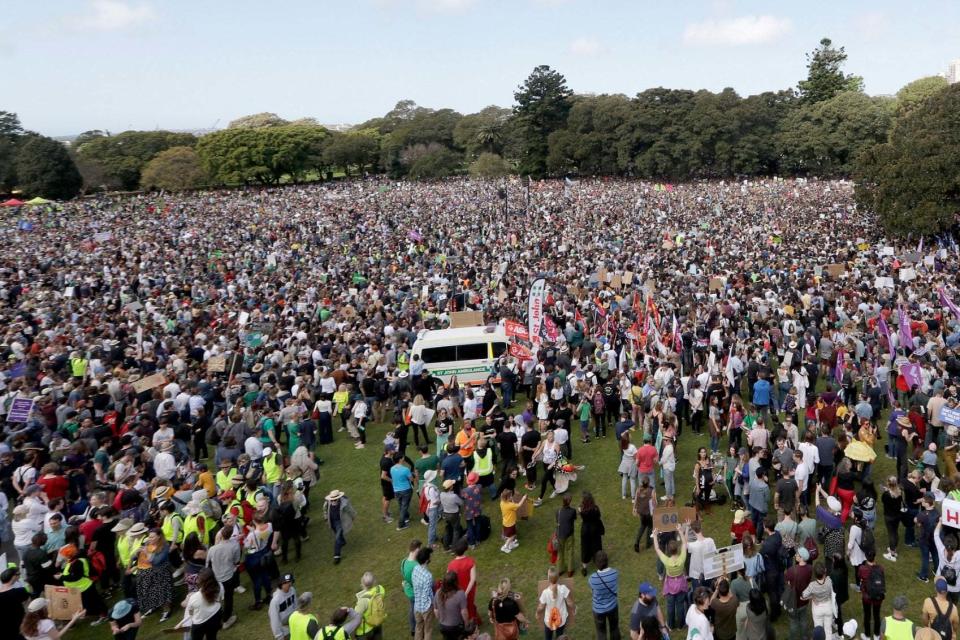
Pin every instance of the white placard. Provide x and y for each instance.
(950, 513)
(724, 561)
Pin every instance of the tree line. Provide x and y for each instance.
(902, 149)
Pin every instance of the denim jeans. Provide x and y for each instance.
(676, 610)
(927, 551)
(669, 485)
(801, 622)
(473, 531)
(507, 390)
(607, 624)
(433, 517)
(339, 541)
(403, 500)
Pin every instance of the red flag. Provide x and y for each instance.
(519, 351)
(514, 328)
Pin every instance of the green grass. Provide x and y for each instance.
(378, 547)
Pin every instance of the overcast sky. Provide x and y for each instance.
(73, 65)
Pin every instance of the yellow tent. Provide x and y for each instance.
(37, 200)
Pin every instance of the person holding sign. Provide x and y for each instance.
(37, 624)
(675, 580)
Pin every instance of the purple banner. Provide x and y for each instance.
(885, 332)
(911, 374)
(906, 337)
(838, 369)
(948, 303)
(20, 410)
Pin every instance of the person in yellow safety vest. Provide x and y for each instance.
(135, 537)
(272, 470)
(172, 525)
(370, 606)
(303, 625)
(403, 359)
(76, 575)
(225, 475)
(338, 629)
(195, 523)
(483, 465)
(78, 365)
(897, 626)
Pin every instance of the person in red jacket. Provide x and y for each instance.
(741, 525)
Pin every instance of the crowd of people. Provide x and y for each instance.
(175, 367)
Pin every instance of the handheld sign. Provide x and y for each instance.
(950, 416)
(950, 513)
(667, 518)
(20, 410)
(723, 561)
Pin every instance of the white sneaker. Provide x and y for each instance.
(553, 494)
(506, 549)
(514, 544)
(890, 557)
(241, 589)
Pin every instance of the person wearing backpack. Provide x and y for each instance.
(371, 607)
(303, 625)
(873, 590)
(940, 614)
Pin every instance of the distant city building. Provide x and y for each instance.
(953, 72)
(338, 127)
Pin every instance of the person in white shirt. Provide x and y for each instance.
(253, 448)
(360, 419)
(164, 464)
(697, 549)
(698, 625)
(555, 596)
(203, 606)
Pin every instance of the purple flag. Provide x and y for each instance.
(414, 235)
(906, 337)
(838, 369)
(948, 303)
(885, 332)
(911, 375)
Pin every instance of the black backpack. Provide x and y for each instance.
(941, 623)
(867, 541)
(876, 586)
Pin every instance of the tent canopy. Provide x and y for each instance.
(12, 202)
(38, 200)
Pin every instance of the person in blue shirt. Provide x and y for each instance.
(402, 478)
(761, 396)
(605, 586)
(451, 467)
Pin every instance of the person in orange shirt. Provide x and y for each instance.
(467, 441)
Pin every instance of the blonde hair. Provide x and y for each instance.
(504, 588)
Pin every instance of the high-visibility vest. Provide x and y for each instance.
(191, 524)
(123, 551)
(898, 629)
(78, 367)
(365, 626)
(298, 624)
(225, 480)
(83, 583)
(483, 465)
(271, 470)
(403, 361)
(167, 529)
(331, 632)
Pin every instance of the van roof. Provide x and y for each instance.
(460, 333)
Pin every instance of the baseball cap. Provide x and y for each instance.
(287, 577)
(647, 589)
(940, 584)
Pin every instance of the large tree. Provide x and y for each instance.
(825, 138)
(123, 156)
(45, 168)
(174, 169)
(913, 181)
(353, 149)
(914, 93)
(825, 77)
(542, 104)
(264, 155)
(256, 121)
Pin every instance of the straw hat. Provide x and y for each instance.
(122, 525)
(138, 529)
(334, 495)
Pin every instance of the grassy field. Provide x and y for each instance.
(378, 547)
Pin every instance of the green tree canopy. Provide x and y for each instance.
(825, 138)
(124, 155)
(482, 132)
(360, 149)
(45, 168)
(174, 169)
(432, 161)
(913, 181)
(825, 77)
(489, 165)
(542, 104)
(262, 155)
(914, 93)
(256, 121)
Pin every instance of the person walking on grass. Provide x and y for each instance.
(591, 531)
(605, 588)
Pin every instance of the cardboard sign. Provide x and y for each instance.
(542, 586)
(20, 410)
(912, 256)
(950, 513)
(906, 275)
(883, 283)
(150, 382)
(617, 281)
(723, 561)
(627, 277)
(836, 270)
(950, 416)
(217, 364)
(787, 359)
(716, 284)
(466, 319)
(666, 519)
(63, 602)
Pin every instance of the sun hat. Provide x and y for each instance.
(122, 525)
(334, 495)
(37, 604)
(121, 609)
(739, 516)
(834, 504)
(448, 484)
(850, 628)
(138, 529)
(430, 475)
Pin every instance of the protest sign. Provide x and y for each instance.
(20, 410)
(519, 351)
(883, 283)
(62, 602)
(667, 518)
(150, 382)
(217, 364)
(908, 274)
(950, 513)
(723, 561)
(716, 284)
(836, 270)
(466, 319)
(514, 329)
(950, 416)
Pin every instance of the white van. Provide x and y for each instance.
(466, 352)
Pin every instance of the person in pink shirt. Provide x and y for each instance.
(646, 460)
